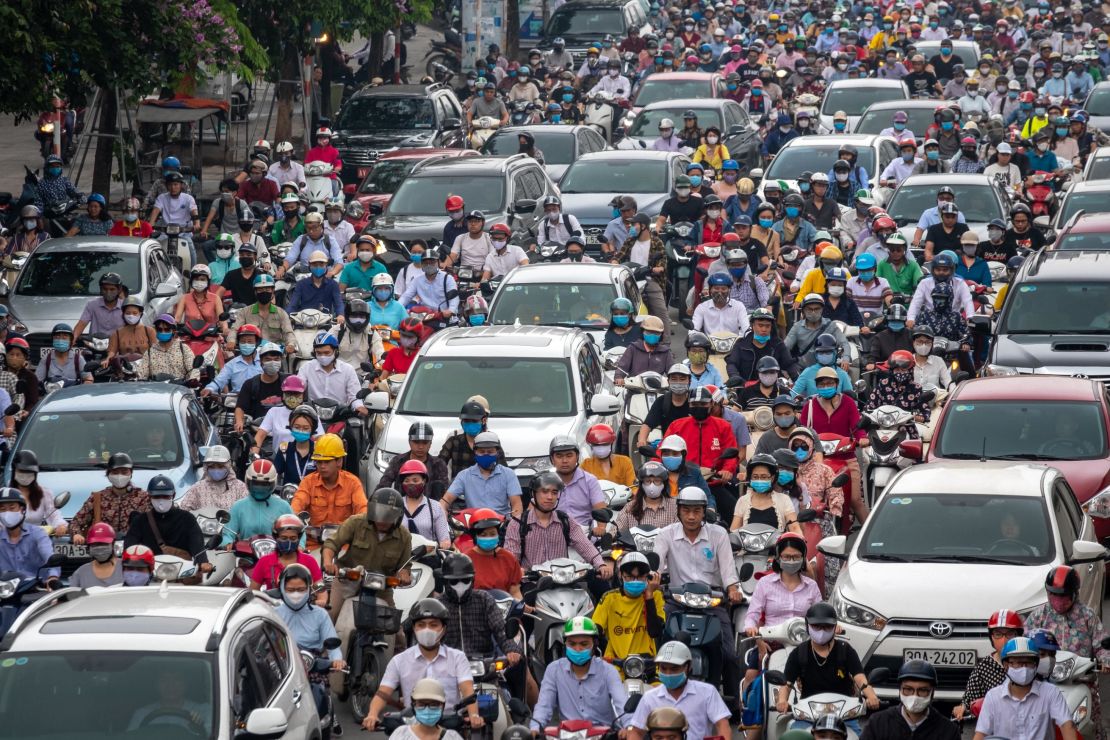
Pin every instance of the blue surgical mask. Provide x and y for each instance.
(866, 275)
(896, 325)
(568, 98)
(757, 92)
(635, 588)
(217, 474)
(899, 126)
(471, 428)
(579, 657)
(61, 345)
(1025, 106)
(840, 125)
(672, 680)
(428, 716)
(947, 125)
(134, 577)
(785, 422)
(732, 87)
(1061, 132)
(557, 118)
(652, 339)
(826, 358)
(765, 223)
(671, 463)
(792, 212)
(286, 547)
(246, 349)
(786, 477)
(300, 435)
(804, 187)
(486, 462)
(634, 231)
(319, 271)
(761, 338)
(487, 544)
(907, 157)
(1012, 95)
(933, 155)
(695, 180)
(53, 171)
(760, 486)
(828, 392)
(477, 319)
(737, 272)
(616, 213)
(416, 258)
(621, 321)
(383, 294)
(164, 336)
(801, 454)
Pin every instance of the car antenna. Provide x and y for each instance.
(983, 455)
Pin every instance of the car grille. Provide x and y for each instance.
(1103, 379)
(593, 234)
(970, 630)
(948, 678)
(358, 156)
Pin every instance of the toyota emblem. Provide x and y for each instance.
(940, 630)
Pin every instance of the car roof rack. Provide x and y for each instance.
(241, 598)
(435, 86)
(52, 598)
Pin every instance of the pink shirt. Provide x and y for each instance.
(773, 603)
(268, 569)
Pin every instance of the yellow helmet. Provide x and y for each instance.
(745, 186)
(829, 253)
(329, 447)
(773, 18)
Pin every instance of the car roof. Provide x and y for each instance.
(542, 128)
(1091, 223)
(947, 178)
(93, 243)
(694, 103)
(1029, 388)
(866, 82)
(967, 476)
(1090, 186)
(1066, 265)
(858, 140)
(627, 154)
(452, 165)
(112, 397)
(592, 273)
(594, 3)
(502, 341)
(400, 91)
(902, 104)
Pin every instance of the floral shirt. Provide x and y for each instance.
(666, 513)
(817, 477)
(1078, 631)
(115, 509)
(209, 493)
(177, 360)
(890, 390)
(92, 227)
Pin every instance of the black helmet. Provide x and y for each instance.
(709, 201)
(767, 364)
(785, 459)
(698, 339)
(897, 312)
(552, 200)
(922, 330)
(795, 200)
(428, 609)
(357, 306)
(825, 341)
(120, 460)
(386, 506)
(841, 165)
(26, 460)
(516, 732)
(946, 190)
(12, 495)
(762, 459)
(614, 64)
(921, 670)
(548, 478)
(1020, 208)
(1062, 581)
(848, 149)
(160, 484)
(831, 723)
(111, 278)
(457, 567)
(821, 613)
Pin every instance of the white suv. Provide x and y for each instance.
(947, 545)
(179, 662)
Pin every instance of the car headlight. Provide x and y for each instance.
(634, 666)
(563, 574)
(855, 614)
(1062, 670)
(1099, 506)
(382, 459)
(756, 542)
(538, 464)
(7, 588)
(999, 371)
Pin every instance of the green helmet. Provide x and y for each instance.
(579, 626)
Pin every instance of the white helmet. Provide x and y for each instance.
(335, 202)
(262, 144)
(284, 147)
(382, 278)
(673, 653)
(261, 471)
(666, 123)
(324, 131)
(691, 496)
(673, 442)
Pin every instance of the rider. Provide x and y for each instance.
(325, 152)
(320, 291)
(702, 373)
(103, 314)
(27, 547)
(256, 514)
(114, 505)
(177, 207)
(761, 504)
(64, 363)
(803, 336)
(243, 366)
(928, 369)
(941, 301)
(651, 353)
(288, 534)
(679, 701)
(456, 224)
(603, 463)
(1023, 706)
(901, 274)
(326, 376)
(435, 291)
(825, 353)
(329, 494)
(165, 529)
(988, 672)
(623, 330)
(706, 436)
(631, 617)
(488, 483)
(219, 488)
(294, 461)
(761, 342)
(917, 683)
(897, 387)
(1075, 624)
(361, 272)
(543, 514)
(722, 313)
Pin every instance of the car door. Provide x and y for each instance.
(741, 138)
(1074, 525)
(262, 675)
(887, 152)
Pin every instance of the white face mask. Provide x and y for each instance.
(820, 636)
(131, 318)
(12, 519)
(916, 704)
(711, 140)
(923, 348)
(614, 73)
(334, 218)
(768, 379)
(223, 253)
(601, 451)
(200, 285)
(460, 590)
(365, 256)
(498, 244)
(120, 480)
(836, 290)
(325, 360)
(24, 479)
(713, 213)
(161, 504)
(842, 177)
(652, 490)
(427, 638)
(1021, 676)
(1045, 666)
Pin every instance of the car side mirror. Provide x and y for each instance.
(604, 404)
(1085, 551)
(911, 449)
(524, 205)
(165, 290)
(834, 547)
(375, 209)
(452, 123)
(266, 722)
(736, 129)
(377, 402)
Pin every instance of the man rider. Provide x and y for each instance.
(320, 291)
(471, 248)
(631, 616)
(557, 535)
(54, 188)
(105, 313)
(761, 342)
(243, 366)
(436, 291)
(581, 490)
(669, 406)
(915, 715)
(557, 226)
(488, 483)
(679, 701)
(273, 322)
(166, 529)
(488, 105)
(313, 242)
(504, 256)
(947, 318)
(24, 548)
(178, 208)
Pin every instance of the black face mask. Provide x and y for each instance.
(246, 261)
(700, 413)
(264, 297)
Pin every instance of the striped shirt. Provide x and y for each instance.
(868, 297)
(666, 513)
(545, 543)
(773, 603)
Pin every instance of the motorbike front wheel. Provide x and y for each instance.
(365, 684)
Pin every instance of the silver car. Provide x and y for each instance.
(63, 275)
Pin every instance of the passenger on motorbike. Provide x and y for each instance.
(361, 272)
(113, 505)
(1012, 266)
(648, 505)
(802, 339)
(1047, 647)
(167, 530)
(917, 683)
(54, 188)
(27, 546)
(1078, 627)
(357, 343)
(219, 488)
(649, 354)
(475, 624)
(897, 387)
(603, 463)
(288, 535)
(623, 330)
(631, 617)
(892, 337)
(277, 422)
(825, 351)
(168, 355)
(385, 309)
(830, 410)
(243, 366)
(988, 672)
(256, 514)
(422, 515)
(291, 225)
(137, 566)
(428, 702)
(928, 368)
(941, 301)
(105, 569)
(697, 359)
(40, 501)
(766, 390)
(488, 483)
(130, 224)
(294, 461)
(704, 712)
(494, 566)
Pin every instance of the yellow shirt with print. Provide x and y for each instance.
(624, 623)
(813, 282)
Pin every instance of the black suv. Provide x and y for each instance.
(508, 190)
(583, 23)
(377, 119)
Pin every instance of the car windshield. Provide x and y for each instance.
(874, 121)
(86, 439)
(652, 91)
(978, 203)
(930, 49)
(386, 113)
(792, 161)
(1051, 430)
(386, 176)
(1098, 104)
(557, 148)
(854, 100)
(76, 273)
(1085, 240)
(591, 22)
(1073, 307)
(1090, 202)
(616, 176)
(647, 122)
(1100, 169)
(561, 304)
(425, 195)
(110, 694)
(513, 386)
(955, 527)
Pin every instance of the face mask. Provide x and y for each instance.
(223, 253)
(161, 504)
(792, 212)
(695, 180)
(672, 680)
(1022, 676)
(784, 422)
(713, 213)
(365, 256)
(793, 567)
(164, 336)
(737, 272)
(25, 479)
(1060, 604)
(760, 486)
(53, 171)
(786, 477)
(1039, 112)
(247, 262)
(200, 285)
(134, 578)
(61, 345)
(120, 480)
(553, 216)
(286, 547)
(768, 379)
(840, 125)
(1045, 666)
(485, 462)
(765, 223)
(652, 339)
(499, 244)
(413, 490)
(828, 392)
(761, 338)
(947, 125)
(579, 657)
(556, 118)
(601, 451)
(682, 192)
(416, 257)
(428, 716)
(471, 428)
(699, 413)
(430, 269)
(635, 588)
(260, 494)
(319, 271)
(217, 474)
(487, 544)
(101, 553)
(131, 217)
(325, 360)
(300, 435)
(826, 358)
(1061, 132)
(756, 92)
(671, 463)
(12, 519)
(653, 490)
(1042, 146)
(842, 177)
(247, 349)
(899, 126)
(820, 636)
(916, 704)
(294, 600)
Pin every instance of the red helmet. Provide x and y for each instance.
(138, 554)
(100, 533)
(454, 203)
(600, 434)
(413, 467)
(288, 521)
(1062, 581)
(900, 360)
(792, 539)
(884, 222)
(412, 326)
(21, 343)
(1027, 97)
(484, 519)
(1007, 619)
(248, 329)
(500, 229)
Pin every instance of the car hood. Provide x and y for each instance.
(408, 227)
(40, 313)
(384, 139)
(593, 208)
(1053, 354)
(914, 590)
(520, 437)
(82, 483)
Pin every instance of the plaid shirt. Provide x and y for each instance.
(547, 543)
(115, 509)
(773, 603)
(659, 517)
(475, 625)
(459, 455)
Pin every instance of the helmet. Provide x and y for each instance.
(324, 131)
(1027, 97)
(813, 299)
(138, 555)
(262, 144)
(794, 200)
(580, 626)
(552, 200)
(837, 273)
(652, 469)
(454, 203)
(248, 329)
(324, 339)
(413, 467)
(790, 539)
(160, 485)
(673, 442)
(785, 458)
(767, 364)
(1020, 208)
(600, 434)
(484, 519)
(1007, 619)
(261, 472)
(97, 198)
(830, 723)
(200, 271)
(720, 278)
(562, 443)
(100, 533)
(12, 495)
(382, 278)
(173, 163)
(922, 330)
(622, 304)
(308, 412)
(329, 447)
(385, 507)
(548, 479)
(673, 653)
(26, 460)
(1044, 641)
(697, 339)
(173, 177)
(30, 211)
(1062, 581)
(943, 260)
(284, 147)
(288, 521)
(110, 278)
(666, 718)
(867, 261)
(334, 204)
(921, 670)
(691, 496)
(767, 461)
(900, 359)
(761, 313)
(120, 460)
(358, 306)
(886, 222)
(457, 567)
(633, 558)
(1018, 647)
(62, 329)
(821, 613)
(427, 608)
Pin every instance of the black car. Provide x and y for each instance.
(584, 23)
(508, 190)
(378, 119)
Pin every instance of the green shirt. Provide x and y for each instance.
(385, 556)
(903, 281)
(354, 276)
(279, 233)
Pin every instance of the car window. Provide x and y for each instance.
(270, 657)
(520, 190)
(153, 270)
(1069, 531)
(533, 184)
(678, 167)
(442, 113)
(632, 293)
(741, 115)
(199, 426)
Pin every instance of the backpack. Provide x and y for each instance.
(566, 225)
(564, 520)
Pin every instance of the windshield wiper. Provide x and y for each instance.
(960, 455)
(73, 466)
(1021, 456)
(885, 558)
(151, 466)
(969, 559)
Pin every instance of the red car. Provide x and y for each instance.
(1060, 421)
(385, 176)
(674, 85)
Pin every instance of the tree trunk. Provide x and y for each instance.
(512, 30)
(377, 38)
(286, 89)
(104, 159)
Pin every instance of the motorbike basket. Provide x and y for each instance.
(374, 617)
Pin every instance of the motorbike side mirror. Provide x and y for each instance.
(304, 516)
(1105, 644)
(863, 423)
(366, 367)
(841, 479)
(928, 396)
(860, 386)
(452, 123)
(61, 500)
(602, 515)
(775, 678)
(632, 703)
(653, 560)
(21, 386)
(911, 448)
(731, 453)
(711, 516)
(878, 676)
(747, 570)
(807, 515)
(524, 205)
(688, 324)
(466, 702)
(980, 323)
(223, 516)
(12, 410)
(646, 451)
(961, 376)
(519, 710)
(332, 643)
(225, 316)
(55, 560)
(198, 362)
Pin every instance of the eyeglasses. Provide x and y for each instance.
(1004, 634)
(923, 691)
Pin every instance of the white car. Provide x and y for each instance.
(948, 545)
(819, 154)
(853, 97)
(174, 662)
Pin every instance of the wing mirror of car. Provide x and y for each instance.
(603, 516)
(452, 123)
(834, 547)
(61, 500)
(604, 404)
(736, 129)
(911, 448)
(266, 722)
(377, 402)
(1085, 551)
(980, 323)
(165, 290)
(524, 205)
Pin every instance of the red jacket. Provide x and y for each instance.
(705, 441)
(327, 154)
(141, 229)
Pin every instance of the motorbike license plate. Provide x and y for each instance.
(964, 658)
(71, 550)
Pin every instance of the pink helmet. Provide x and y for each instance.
(292, 384)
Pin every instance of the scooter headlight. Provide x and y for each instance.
(1062, 670)
(167, 571)
(756, 542)
(634, 666)
(1081, 711)
(209, 527)
(682, 230)
(263, 547)
(568, 735)
(564, 574)
(644, 543)
(7, 588)
(820, 709)
(416, 574)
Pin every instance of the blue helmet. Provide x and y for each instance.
(620, 304)
(695, 166)
(944, 260)
(1044, 641)
(97, 198)
(171, 163)
(866, 261)
(1018, 647)
(837, 273)
(323, 339)
(720, 278)
(730, 164)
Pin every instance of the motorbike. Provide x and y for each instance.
(753, 547)
(702, 629)
(342, 419)
(887, 430)
(722, 342)
(1074, 675)
(307, 323)
(491, 691)
(1041, 194)
(204, 340)
(640, 393)
(318, 667)
(838, 450)
(522, 113)
(560, 595)
(319, 184)
(481, 129)
(447, 53)
(679, 240)
(372, 645)
(212, 522)
(601, 113)
(17, 592)
(177, 246)
(469, 281)
(59, 216)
